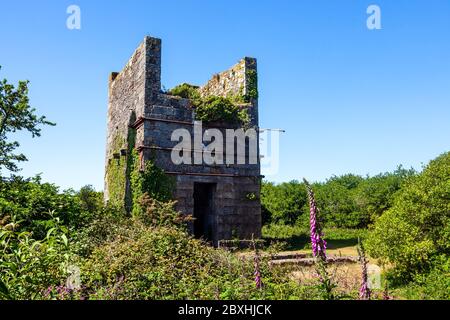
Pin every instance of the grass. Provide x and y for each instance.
(296, 238)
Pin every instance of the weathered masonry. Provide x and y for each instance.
(223, 198)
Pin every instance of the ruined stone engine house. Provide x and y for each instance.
(224, 198)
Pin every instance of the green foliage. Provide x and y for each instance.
(347, 201)
(28, 266)
(376, 194)
(214, 108)
(151, 181)
(252, 85)
(152, 257)
(186, 91)
(298, 237)
(433, 285)
(251, 196)
(90, 200)
(337, 204)
(116, 174)
(283, 203)
(33, 203)
(417, 228)
(16, 114)
(128, 182)
(326, 285)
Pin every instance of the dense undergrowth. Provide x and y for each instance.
(149, 256)
(49, 239)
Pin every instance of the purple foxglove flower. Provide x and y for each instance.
(258, 281)
(318, 244)
(364, 290)
(257, 274)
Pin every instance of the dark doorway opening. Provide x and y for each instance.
(204, 223)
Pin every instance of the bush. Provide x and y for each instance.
(152, 181)
(152, 258)
(213, 108)
(336, 200)
(30, 201)
(417, 228)
(347, 201)
(186, 91)
(166, 263)
(434, 285)
(28, 267)
(283, 203)
(375, 194)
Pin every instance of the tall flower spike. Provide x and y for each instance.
(258, 280)
(318, 243)
(386, 292)
(364, 291)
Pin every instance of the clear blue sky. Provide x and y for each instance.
(350, 99)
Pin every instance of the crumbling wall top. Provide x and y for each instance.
(235, 81)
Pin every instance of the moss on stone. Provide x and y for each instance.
(116, 173)
(127, 183)
(151, 181)
(185, 90)
(252, 85)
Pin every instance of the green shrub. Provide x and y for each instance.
(284, 232)
(185, 90)
(375, 194)
(417, 227)
(214, 108)
(284, 203)
(433, 285)
(347, 201)
(152, 181)
(337, 204)
(30, 201)
(151, 256)
(252, 85)
(28, 267)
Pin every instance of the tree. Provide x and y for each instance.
(16, 114)
(283, 203)
(375, 195)
(416, 229)
(336, 198)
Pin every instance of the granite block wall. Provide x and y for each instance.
(137, 103)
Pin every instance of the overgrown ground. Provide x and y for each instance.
(45, 233)
(292, 241)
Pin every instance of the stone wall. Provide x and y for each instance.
(231, 82)
(126, 101)
(137, 105)
(238, 215)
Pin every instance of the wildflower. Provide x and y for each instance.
(386, 292)
(257, 274)
(318, 243)
(364, 291)
(319, 247)
(48, 291)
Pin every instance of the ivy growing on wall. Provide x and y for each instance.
(213, 108)
(185, 90)
(116, 174)
(252, 85)
(127, 183)
(151, 181)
